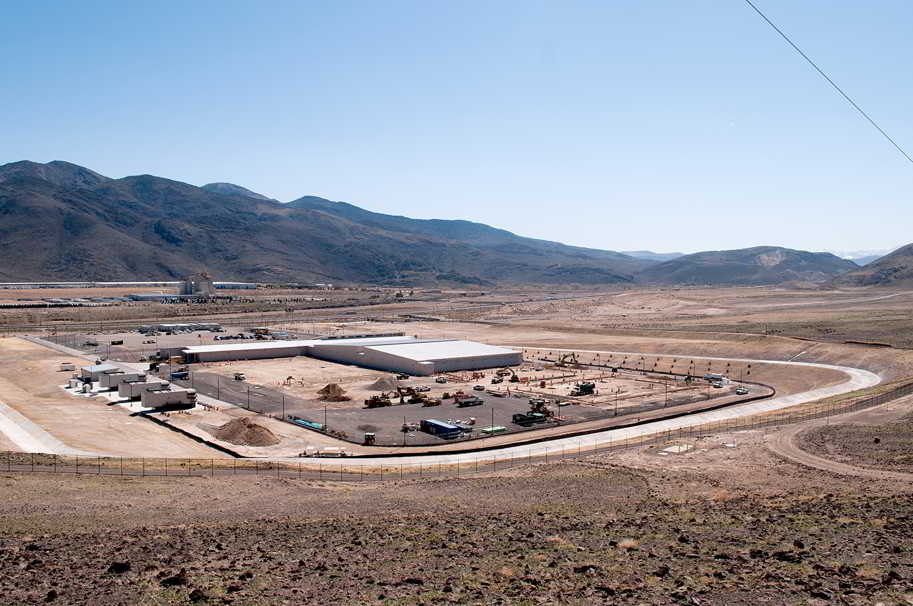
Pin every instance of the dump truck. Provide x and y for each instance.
(468, 401)
(528, 418)
(584, 389)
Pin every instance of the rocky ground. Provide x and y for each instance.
(888, 446)
(716, 526)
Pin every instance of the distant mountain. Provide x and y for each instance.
(863, 257)
(748, 266)
(865, 260)
(652, 256)
(893, 269)
(147, 227)
(234, 190)
(57, 172)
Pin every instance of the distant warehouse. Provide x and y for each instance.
(420, 357)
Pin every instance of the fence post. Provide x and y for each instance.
(166, 467)
(212, 468)
(77, 464)
(122, 466)
(33, 462)
(55, 463)
(144, 468)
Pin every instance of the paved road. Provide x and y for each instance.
(785, 443)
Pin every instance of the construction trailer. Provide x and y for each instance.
(111, 380)
(439, 428)
(94, 373)
(134, 389)
(169, 397)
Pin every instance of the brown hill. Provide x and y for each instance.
(747, 266)
(893, 269)
(64, 222)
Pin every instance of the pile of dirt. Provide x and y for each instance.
(387, 383)
(245, 432)
(333, 393)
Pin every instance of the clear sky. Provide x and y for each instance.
(671, 125)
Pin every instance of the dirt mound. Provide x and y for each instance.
(333, 393)
(387, 383)
(245, 432)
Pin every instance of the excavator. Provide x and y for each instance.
(408, 395)
(508, 371)
(568, 359)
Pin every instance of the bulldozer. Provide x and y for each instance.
(378, 401)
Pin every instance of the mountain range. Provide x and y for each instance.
(61, 221)
(893, 269)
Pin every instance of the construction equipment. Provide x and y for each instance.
(370, 438)
(288, 381)
(584, 389)
(504, 372)
(468, 401)
(239, 376)
(496, 380)
(568, 359)
(378, 401)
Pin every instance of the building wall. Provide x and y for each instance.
(248, 354)
(379, 360)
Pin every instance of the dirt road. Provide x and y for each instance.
(785, 444)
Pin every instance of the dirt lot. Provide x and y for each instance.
(29, 383)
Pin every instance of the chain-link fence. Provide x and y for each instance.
(371, 469)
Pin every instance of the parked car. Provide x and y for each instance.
(741, 391)
(479, 387)
(422, 388)
(441, 380)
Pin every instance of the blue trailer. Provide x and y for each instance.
(182, 374)
(439, 428)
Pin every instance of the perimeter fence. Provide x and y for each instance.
(370, 469)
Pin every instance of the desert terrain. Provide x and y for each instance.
(812, 514)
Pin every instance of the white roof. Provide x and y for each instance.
(260, 345)
(195, 349)
(438, 350)
(101, 368)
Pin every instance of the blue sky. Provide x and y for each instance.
(664, 125)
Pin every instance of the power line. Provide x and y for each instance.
(831, 82)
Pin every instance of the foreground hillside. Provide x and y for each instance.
(894, 269)
(145, 227)
(757, 531)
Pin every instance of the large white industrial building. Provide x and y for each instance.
(420, 357)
